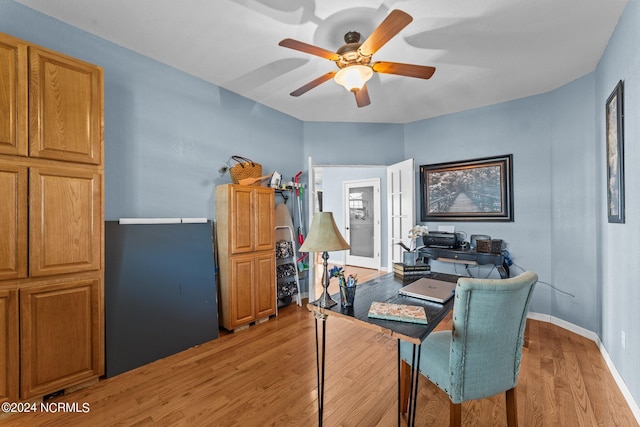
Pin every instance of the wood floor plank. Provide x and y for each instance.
(265, 376)
(583, 408)
(530, 389)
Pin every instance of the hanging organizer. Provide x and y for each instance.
(288, 282)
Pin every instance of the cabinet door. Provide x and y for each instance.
(265, 286)
(65, 105)
(242, 219)
(265, 219)
(242, 297)
(9, 367)
(13, 221)
(13, 96)
(65, 221)
(60, 336)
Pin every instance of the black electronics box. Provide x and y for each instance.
(441, 240)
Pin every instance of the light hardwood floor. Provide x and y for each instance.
(362, 274)
(265, 376)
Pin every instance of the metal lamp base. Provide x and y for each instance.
(325, 299)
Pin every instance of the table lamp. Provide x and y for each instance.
(324, 237)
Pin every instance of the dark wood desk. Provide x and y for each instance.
(468, 257)
(384, 289)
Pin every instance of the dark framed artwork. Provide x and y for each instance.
(469, 190)
(615, 154)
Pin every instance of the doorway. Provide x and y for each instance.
(362, 223)
(397, 219)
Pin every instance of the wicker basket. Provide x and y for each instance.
(244, 168)
(491, 246)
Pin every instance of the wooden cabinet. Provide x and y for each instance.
(49, 333)
(53, 104)
(51, 221)
(265, 284)
(246, 254)
(252, 295)
(13, 96)
(65, 221)
(65, 106)
(8, 345)
(251, 225)
(13, 220)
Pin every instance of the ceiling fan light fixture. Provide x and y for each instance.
(353, 77)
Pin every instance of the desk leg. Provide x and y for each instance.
(413, 385)
(320, 359)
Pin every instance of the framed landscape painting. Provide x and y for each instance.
(469, 190)
(615, 155)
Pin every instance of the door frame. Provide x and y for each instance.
(312, 206)
(401, 206)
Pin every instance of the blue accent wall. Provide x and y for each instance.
(333, 185)
(618, 245)
(520, 128)
(354, 143)
(167, 133)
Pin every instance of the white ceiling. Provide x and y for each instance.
(485, 52)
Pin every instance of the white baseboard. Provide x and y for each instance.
(633, 405)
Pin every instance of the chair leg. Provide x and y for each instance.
(512, 410)
(455, 414)
(405, 384)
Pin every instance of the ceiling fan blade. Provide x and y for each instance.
(408, 70)
(309, 48)
(362, 97)
(306, 88)
(392, 25)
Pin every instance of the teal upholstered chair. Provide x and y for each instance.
(480, 357)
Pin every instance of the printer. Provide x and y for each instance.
(441, 240)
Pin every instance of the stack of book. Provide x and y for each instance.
(410, 270)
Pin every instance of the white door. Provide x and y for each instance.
(401, 205)
(362, 223)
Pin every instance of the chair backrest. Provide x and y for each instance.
(489, 317)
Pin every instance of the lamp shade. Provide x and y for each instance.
(323, 235)
(353, 77)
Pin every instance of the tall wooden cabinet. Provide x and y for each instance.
(246, 253)
(9, 354)
(51, 221)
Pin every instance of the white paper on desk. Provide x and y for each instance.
(447, 228)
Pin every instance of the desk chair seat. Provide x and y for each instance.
(481, 356)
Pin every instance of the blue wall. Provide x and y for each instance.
(334, 196)
(167, 133)
(520, 128)
(573, 204)
(353, 143)
(619, 244)
(551, 137)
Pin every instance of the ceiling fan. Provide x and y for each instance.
(354, 59)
